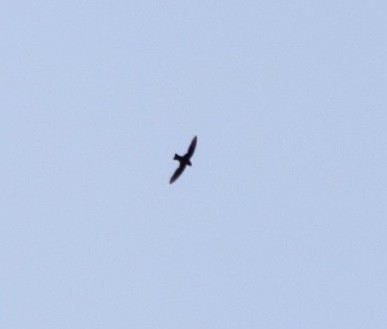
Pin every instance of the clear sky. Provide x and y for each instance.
(281, 222)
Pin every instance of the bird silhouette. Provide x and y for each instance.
(184, 160)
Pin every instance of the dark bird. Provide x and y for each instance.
(184, 160)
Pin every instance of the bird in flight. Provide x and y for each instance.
(184, 160)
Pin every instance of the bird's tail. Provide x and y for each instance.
(177, 157)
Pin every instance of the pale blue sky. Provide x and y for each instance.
(280, 223)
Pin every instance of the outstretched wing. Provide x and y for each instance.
(177, 173)
(192, 147)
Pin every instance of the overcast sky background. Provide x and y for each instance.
(280, 223)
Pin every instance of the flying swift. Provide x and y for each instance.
(184, 160)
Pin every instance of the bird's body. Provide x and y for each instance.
(184, 160)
